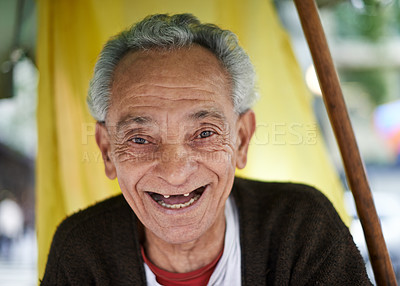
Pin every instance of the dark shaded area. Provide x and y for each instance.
(17, 178)
(18, 38)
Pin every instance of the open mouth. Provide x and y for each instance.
(178, 201)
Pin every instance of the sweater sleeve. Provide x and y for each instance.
(96, 246)
(343, 265)
(54, 274)
(330, 255)
(66, 259)
(292, 235)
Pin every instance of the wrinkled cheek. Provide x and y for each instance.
(130, 164)
(129, 173)
(222, 163)
(127, 181)
(226, 158)
(126, 156)
(225, 162)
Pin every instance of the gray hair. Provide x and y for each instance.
(172, 32)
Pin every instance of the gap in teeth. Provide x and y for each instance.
(179, 206)
(167, 196)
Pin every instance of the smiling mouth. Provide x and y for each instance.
(178, 201)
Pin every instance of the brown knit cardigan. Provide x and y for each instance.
(290, 234)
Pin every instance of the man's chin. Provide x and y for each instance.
(179, 235)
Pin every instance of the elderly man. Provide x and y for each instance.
(172, 98)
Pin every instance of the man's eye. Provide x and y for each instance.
(138, 140)
(205, 134)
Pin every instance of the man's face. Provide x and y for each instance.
(173, 140)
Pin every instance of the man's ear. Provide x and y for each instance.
(246, 128)
(103, 141)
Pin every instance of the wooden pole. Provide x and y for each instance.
(336, 108)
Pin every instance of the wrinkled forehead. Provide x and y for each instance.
(158, 78)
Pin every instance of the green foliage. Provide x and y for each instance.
(370, 19)
(373, 82)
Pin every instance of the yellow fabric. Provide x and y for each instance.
(70, 172)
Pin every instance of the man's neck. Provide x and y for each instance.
(190, 256)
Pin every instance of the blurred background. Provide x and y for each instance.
(364, 37)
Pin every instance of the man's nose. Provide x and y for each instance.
(176, 164)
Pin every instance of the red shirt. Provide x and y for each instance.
(198, 277)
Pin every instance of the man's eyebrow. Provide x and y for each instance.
(132, 119)
(207, 113)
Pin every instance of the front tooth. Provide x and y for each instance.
(166, 196)
(186, 195)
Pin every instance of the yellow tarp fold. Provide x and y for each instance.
(70, 175)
